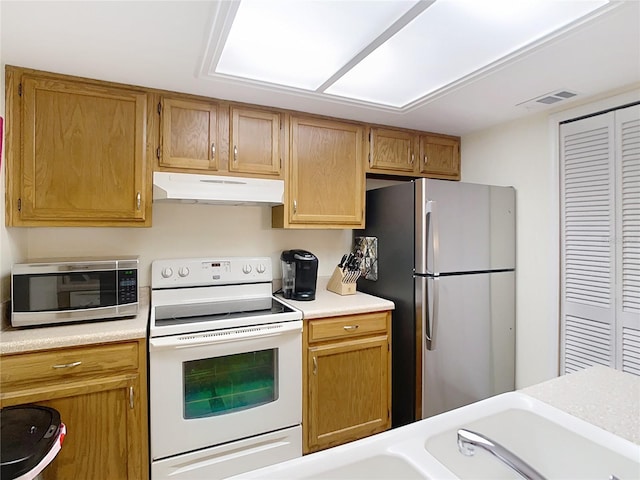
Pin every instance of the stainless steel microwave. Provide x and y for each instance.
(46, 292)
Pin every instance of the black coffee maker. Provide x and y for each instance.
(299, 274)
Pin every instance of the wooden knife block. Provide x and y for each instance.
(343, 283)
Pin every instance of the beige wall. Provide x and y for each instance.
(183, 230)
(524, 154)
(518, 154)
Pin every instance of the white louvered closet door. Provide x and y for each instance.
(627, 124)
(587, 229)
(600, 227)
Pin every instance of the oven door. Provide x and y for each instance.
(213, 387)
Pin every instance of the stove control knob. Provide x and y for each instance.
(246, 269)
(184, 271)
(167, 272)
(261, 268)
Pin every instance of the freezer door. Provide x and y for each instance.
(469, 347)
(463, 227)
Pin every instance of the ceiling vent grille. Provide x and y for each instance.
(548, 99)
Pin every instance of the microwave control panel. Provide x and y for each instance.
(127, 286)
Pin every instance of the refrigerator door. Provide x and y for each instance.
(463, 227)
(470, 352)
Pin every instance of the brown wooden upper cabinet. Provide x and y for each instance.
(255, 141)
(440, 156)
(76, 152)
(391, 151)
(188, 134)
(412, 153)
(325, 181)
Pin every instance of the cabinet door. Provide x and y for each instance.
(326, 184)
(188, 131)
(348, 391)
(100, 393)
(440, 157)
(255, 142)
(103, 435)
(391, 151)
(83, 154)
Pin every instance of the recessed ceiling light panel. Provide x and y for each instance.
(302, 43)
(451, 40)
(390, 53)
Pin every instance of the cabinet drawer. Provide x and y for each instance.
(348, 326)
(67, 363)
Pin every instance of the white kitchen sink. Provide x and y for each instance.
(556, 444)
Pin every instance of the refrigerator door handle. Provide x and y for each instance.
(432, 224)
(431, 320)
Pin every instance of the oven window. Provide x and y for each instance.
(219, 385)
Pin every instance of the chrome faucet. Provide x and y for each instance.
(468, 440)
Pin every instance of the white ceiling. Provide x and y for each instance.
(163, 44)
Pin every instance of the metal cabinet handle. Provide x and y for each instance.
(350, 327)
(138, 200)
(315, 365)
(411, 156)
(235, 154)
(213, 150)
(425, 160)
(295, 206)
(67, 365)
(131, 397)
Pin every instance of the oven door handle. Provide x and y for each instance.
(189, 340)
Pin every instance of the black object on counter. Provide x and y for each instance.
(299, 275)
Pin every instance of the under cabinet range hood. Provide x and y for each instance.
(216, 190)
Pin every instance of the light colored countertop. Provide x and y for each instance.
(18, 340)
(329, 304)
(550, 426)
(607, 398)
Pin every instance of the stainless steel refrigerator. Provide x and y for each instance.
(446, 258)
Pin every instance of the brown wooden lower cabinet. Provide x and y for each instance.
(100, 392)
(347, 379)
